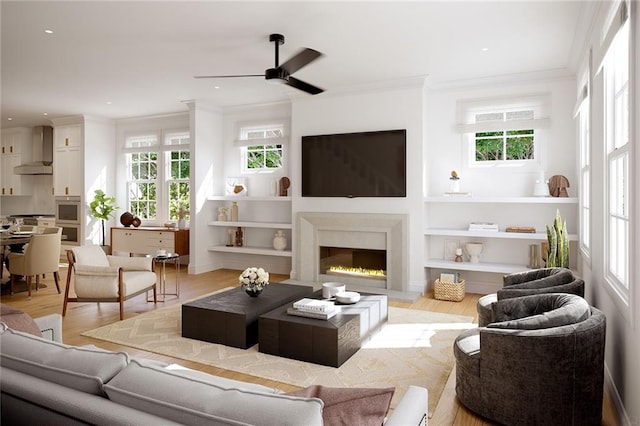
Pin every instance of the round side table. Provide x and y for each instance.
(162, 282)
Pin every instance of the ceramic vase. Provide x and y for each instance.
(280, 240)
(234, 211)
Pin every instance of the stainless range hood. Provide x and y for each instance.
(42, 153)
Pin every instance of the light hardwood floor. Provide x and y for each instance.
(86, 316)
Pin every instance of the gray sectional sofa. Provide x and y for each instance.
(43, 381)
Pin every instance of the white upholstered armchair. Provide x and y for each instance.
(102, 278)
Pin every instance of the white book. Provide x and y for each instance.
(314, 305)
(315, 315)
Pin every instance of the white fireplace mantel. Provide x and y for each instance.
(353, 230)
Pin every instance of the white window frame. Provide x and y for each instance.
(616, 178)
(157, 142)
(584, 140)
(467, 125)
(263, 139)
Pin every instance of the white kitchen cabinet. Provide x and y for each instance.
(149, 240)
(258, 218)
(67, 169)
(16, 150)
(447, 220)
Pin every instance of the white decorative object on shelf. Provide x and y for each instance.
(474, 250)
(280, 240)
(235, 187)
(222, 214)
(234, 211)
(541, 189)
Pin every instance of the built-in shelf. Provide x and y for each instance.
(501, 268)
(229, 224)
(251, 250)
(232, 198)
(506, 200)
(492, 234)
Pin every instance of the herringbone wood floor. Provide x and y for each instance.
(86, 316)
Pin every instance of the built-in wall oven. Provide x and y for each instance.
(69, 218)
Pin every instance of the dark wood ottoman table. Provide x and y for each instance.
(231, 317)
(327, 342)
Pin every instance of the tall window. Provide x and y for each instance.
(616, 77)
(158, 175)
(262, 156)
(585, 175)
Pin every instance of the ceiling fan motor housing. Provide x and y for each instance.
(276, 74)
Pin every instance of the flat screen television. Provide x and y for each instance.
(365, 164)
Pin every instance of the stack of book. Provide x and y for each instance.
(483, 226)
(314, 308)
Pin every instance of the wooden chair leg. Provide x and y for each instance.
(13, 281)
(155, 294)
(29, 278)
(121, 309)
(56, 278)
(37, 281)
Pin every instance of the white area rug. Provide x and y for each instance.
(414, 348)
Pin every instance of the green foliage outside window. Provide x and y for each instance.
(264, 157)
(505, 145)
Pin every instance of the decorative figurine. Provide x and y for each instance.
(458, 255)
(558, 185)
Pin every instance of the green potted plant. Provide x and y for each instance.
(558, 243)
(102, 207)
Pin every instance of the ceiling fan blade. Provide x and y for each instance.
(299, 60)
(228, 76)
(306, 87)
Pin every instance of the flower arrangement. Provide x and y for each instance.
(454, 175)
(254, 279)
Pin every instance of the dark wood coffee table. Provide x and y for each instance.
(231, 317)
(330, 342)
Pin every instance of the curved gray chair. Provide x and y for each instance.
(541, 363)
(535, 281)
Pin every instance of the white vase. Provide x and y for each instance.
(454, 185)
(280, 241)
(234, 211)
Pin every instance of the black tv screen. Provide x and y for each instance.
(366, 164)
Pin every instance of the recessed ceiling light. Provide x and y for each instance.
(45, 113)
(48, 31)
(108, 102)
(485, 49)
(9, 118)
(216, 87)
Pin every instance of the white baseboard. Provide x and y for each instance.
(621, 413)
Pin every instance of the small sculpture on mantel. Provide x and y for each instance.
(558, 185)
(284, 186)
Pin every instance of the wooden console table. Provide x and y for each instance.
(148, 240)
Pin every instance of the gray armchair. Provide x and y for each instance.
(535, 281)
(541, 363)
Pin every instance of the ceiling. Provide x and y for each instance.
(120, 59)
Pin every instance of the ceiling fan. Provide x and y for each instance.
(282, 73)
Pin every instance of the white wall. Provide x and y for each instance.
(99, 172)
(444, 152)
(623, 322)
(400, 108)
(206, 126)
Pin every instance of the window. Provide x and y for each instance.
(503, 132)
(504, 145)
(158, 175)
(585, 174)
(264, 157)
(616, 78)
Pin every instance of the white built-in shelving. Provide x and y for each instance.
(252, 224)
(458, 202)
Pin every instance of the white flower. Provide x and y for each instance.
(254, 278)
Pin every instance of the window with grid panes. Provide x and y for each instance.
(262, 157)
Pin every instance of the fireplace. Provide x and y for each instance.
(353, 262)
(365, 250)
